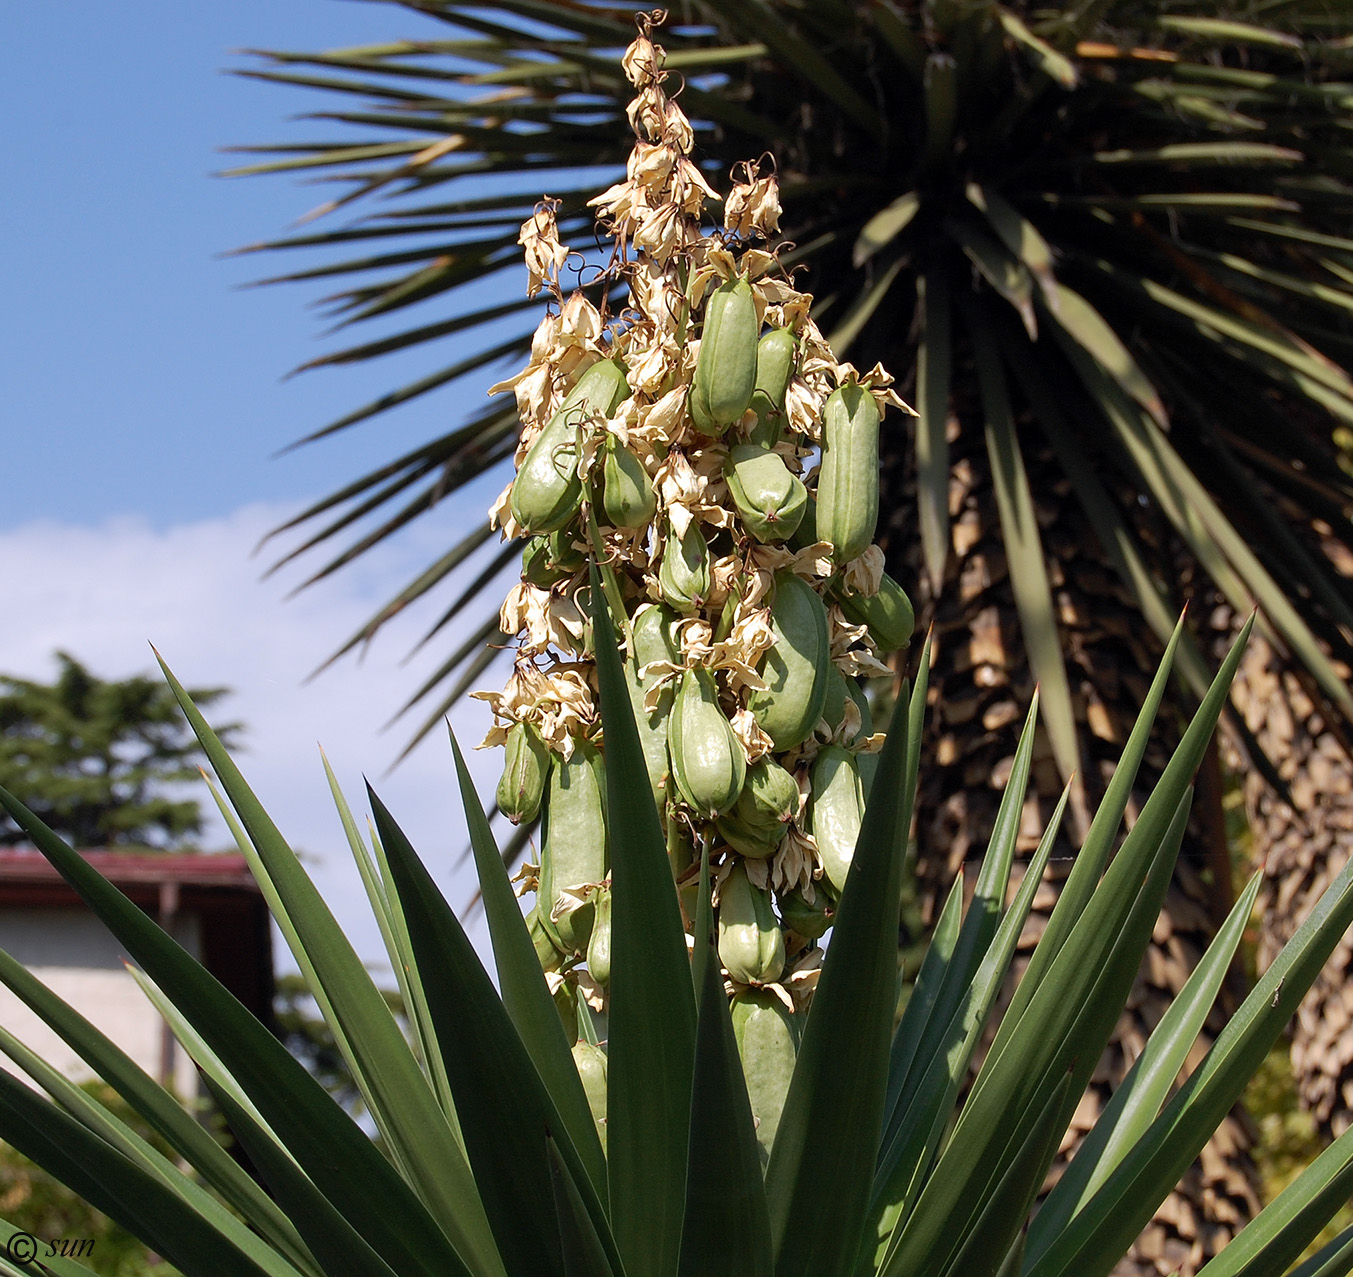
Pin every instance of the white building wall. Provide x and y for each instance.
(74, 955)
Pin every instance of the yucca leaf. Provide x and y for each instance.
(1331, 1260)
(1018, 234)
(817, 1184)
(726, 1226)
(1115, 540)
(1077, 325)
(579, 1242)
(52, 1265)
(984, 911)
(651, 1047)
(1057, 66)
(328, 1145)
(1000, 268)
(1286, 1226)
(996, 1227)
(398, 1093)
(185, 1134)
(1024, 548)
(1226, 31)
(916, 1015)
(505, 1111)
(1138, 1098)
(116, 1184)
(933, 371)
(340, 1249)
(885, 226)
(114, 1132)
(915, 1132)
(1056, 1035)
(1152, 1166)
(1031, 1048)
(374, 871)
(522, 985)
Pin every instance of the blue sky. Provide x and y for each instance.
(143, 401)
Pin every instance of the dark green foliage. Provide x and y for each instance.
(94, 756)
(1133, 217)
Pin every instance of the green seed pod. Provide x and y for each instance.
(627, 492)
(599, 946)
(564, 552)
(811, 921)
(547, 491)
(684, 574)
(566, 1003)
(767, 1040)
(725, 368)
(756, 842)
(836, 812)
(857, 694)
(769, 800)
(775, 356)
(834, 704)
(795, 667)
(525, 767)
(708, 764)
(574, 852)
(848, 483)
(889, 615)
(537, 566)
(776, 353)
(769, 499)
(751, 944)
(591, 1062)
(550, 957)
(653, 641)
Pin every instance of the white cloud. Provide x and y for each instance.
(103, 593)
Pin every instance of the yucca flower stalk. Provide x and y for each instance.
(672, 438)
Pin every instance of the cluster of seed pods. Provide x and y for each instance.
(704, 445)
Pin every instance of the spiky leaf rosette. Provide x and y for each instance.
(1140, 211)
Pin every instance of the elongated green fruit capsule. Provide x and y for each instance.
(768, 1045)
(888, 615)
(775, 358)
(769, 801)
(836, 812)
(550, 957)
(525, 768)
(795, 667)
(848, 483)
(834, 705)
(776, 354)
(811, 921)
(627, 495)
(769, 499)
(725, 368)
(751, 944)
(547, 491)
(591, 1062)
(684, 573)
(574, 852)
(708, 764)
(652, 642)
(599, 945)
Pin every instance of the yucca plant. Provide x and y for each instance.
(493, 1159)
(676, 1136)
(1131, 217)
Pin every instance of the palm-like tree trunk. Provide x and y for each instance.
(1302, 851)
(980, 686)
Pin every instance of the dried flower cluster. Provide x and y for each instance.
(674, 441)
